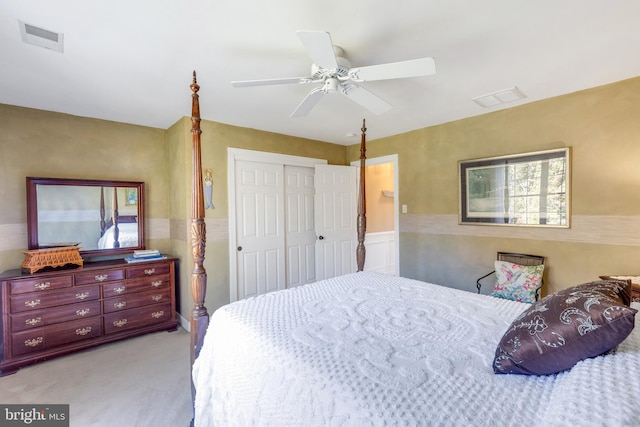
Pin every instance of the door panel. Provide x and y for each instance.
(259, 228)
(300, 231)
(336, 198)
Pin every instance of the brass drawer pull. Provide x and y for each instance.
(42, 286)
(120, 323)
(34, 321)
(119, 289)
(120, 304)
(83, 312)
(83, 331)
(156, 284)
(34, 342)
(157, 314)
(33, 303)
(101, 277)
(82, 295)
(157, 298)
(149, 271)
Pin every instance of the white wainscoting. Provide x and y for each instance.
(380, 252)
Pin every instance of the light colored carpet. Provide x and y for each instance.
(138, 382)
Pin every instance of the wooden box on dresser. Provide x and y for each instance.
(47, 314)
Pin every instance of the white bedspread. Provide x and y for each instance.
(369, 349)
(127, 236)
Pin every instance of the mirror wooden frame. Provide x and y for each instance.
(32, 211)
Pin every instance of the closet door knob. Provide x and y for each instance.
(321, 238)
(239, 248)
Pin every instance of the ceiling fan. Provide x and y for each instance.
(335, 74)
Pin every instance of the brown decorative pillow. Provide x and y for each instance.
(565, 327)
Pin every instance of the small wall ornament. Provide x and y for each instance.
(208, 189)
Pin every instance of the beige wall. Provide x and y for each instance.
(602, 128)
(600, 125)
(47, 144)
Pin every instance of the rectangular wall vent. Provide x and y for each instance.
(40, 37)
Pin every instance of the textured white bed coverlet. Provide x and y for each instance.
(369, 349)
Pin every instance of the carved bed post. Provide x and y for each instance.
(103, 224)
(362, 202)
(116, 219)
(199, 316)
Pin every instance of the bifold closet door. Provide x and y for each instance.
(294, 225)
(300, 235)
(336, 211)
(260, 228)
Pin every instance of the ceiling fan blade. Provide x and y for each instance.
(320, 48)
(308, 103)
(267, 82)
(367, 99)
(394, 70)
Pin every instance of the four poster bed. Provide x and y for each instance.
(118, 231)
(372, 349)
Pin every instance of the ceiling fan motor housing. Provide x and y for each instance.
(341, 72)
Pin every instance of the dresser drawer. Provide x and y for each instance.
(151, 283)
(99, 276)
(138, 317)
(114, 289)
(55, 335)
(39, 284)
(147, 270)
(139, 299)
(65, 313)
(38, 300)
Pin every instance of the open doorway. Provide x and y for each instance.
(382, 236)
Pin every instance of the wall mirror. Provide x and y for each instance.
(527, 189)
(101, 217)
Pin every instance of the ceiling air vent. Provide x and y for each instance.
(40, 37)
(499, 97)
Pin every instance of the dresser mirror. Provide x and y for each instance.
(101, 217)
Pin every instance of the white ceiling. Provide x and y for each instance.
(131, 60)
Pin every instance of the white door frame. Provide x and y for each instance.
(392, 158)
(234, 154)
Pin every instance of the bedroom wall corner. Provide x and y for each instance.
(600, 127)
(216, 139)
(49, 144)
(178, 141)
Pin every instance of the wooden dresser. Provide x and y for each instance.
(48, 314)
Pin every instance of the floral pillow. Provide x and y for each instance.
(517, 282)
(565, 327)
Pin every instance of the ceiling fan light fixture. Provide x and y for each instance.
(331, 85)
(500, 97)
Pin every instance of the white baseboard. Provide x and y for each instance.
(185, 323)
